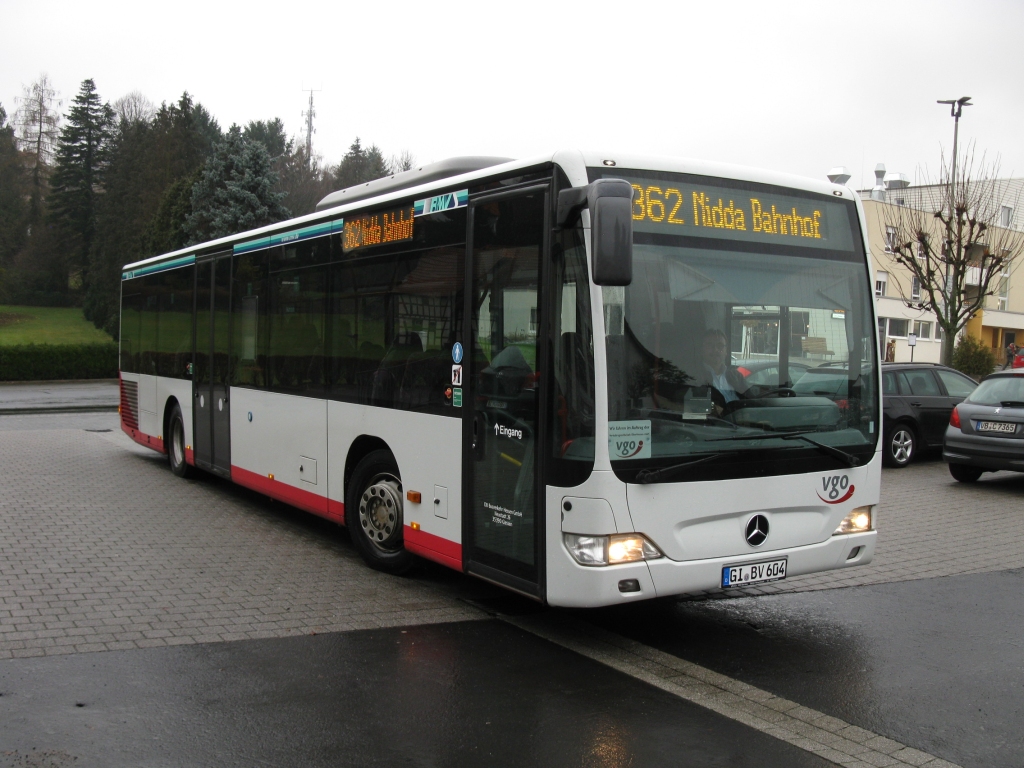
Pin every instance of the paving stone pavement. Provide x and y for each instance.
(102, 548)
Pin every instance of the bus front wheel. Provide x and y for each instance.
(176, 444)
(373, 513)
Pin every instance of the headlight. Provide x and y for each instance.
(858, 521)
(610, 550)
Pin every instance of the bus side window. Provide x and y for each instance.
(393, 313)
(249, 305)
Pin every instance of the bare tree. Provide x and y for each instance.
(955, 248)
(134, 108)
(38, 125)
(403, 161)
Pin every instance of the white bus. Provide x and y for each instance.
(588, 378)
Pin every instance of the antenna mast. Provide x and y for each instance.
(309, 114)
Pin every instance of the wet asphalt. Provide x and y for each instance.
(466, 694)
(934, 663)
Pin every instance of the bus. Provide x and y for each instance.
(575, 377)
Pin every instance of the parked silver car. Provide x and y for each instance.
(986, 431)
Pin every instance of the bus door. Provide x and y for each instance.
(210, 378)
(502, 508)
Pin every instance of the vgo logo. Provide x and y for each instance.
(627, 449)
(837, 489)
(629, 439)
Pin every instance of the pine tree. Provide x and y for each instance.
(271, 134)
(304, 181)
(235, 192)
(78, 172)
(359, 166)
(152, 162)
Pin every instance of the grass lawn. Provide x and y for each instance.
(47, 325)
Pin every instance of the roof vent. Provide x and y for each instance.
(896, 181)
(453, 166)
(878, 191)
(839, 175)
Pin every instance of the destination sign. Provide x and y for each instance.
(717, 209)
(377, 229)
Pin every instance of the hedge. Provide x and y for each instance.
(972, 357)
(43, 362)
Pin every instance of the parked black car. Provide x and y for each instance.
(917, 399)
(986, 431)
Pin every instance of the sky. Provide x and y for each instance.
(797, 87)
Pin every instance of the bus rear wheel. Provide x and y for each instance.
(176, 444)
(373, 513)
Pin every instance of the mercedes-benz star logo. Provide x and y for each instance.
(757, 530)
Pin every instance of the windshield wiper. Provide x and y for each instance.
(645, 476)
(847, 458)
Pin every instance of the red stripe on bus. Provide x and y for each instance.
(289, 494)
(143, 439)
(190, 456)
(336, 511)
(433, 547)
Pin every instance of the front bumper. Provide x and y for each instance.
(573, 585)
(687, 577)
(983, 452)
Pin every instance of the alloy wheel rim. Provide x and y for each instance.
(902, 446)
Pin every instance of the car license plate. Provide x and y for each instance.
(996, 426)
(753, 573)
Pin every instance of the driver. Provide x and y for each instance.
(717, 371)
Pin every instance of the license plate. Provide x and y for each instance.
(753, 573)
(996, 426)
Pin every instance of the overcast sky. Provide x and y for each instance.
(797, 86)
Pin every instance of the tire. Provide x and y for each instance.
(176, 444)
(963, 473)
(373, 513)
(900, 446)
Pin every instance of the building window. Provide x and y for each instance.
(915, 288)
(898, 327)
(881, 280)
(923, 329)
(1006, 216)
(1003, 297)
(890, 239)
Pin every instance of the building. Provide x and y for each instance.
(996, 325)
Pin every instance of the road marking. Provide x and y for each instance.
(825, 736)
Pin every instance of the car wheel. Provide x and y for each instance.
(900, 446)
(373, 513)
(176, 444)
(964, 474)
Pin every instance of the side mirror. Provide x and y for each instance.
(611, 226)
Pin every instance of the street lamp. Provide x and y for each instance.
(956, 107)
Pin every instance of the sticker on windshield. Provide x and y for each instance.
(629, 439)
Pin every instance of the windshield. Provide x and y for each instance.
(1001, 390)
(739, 358)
